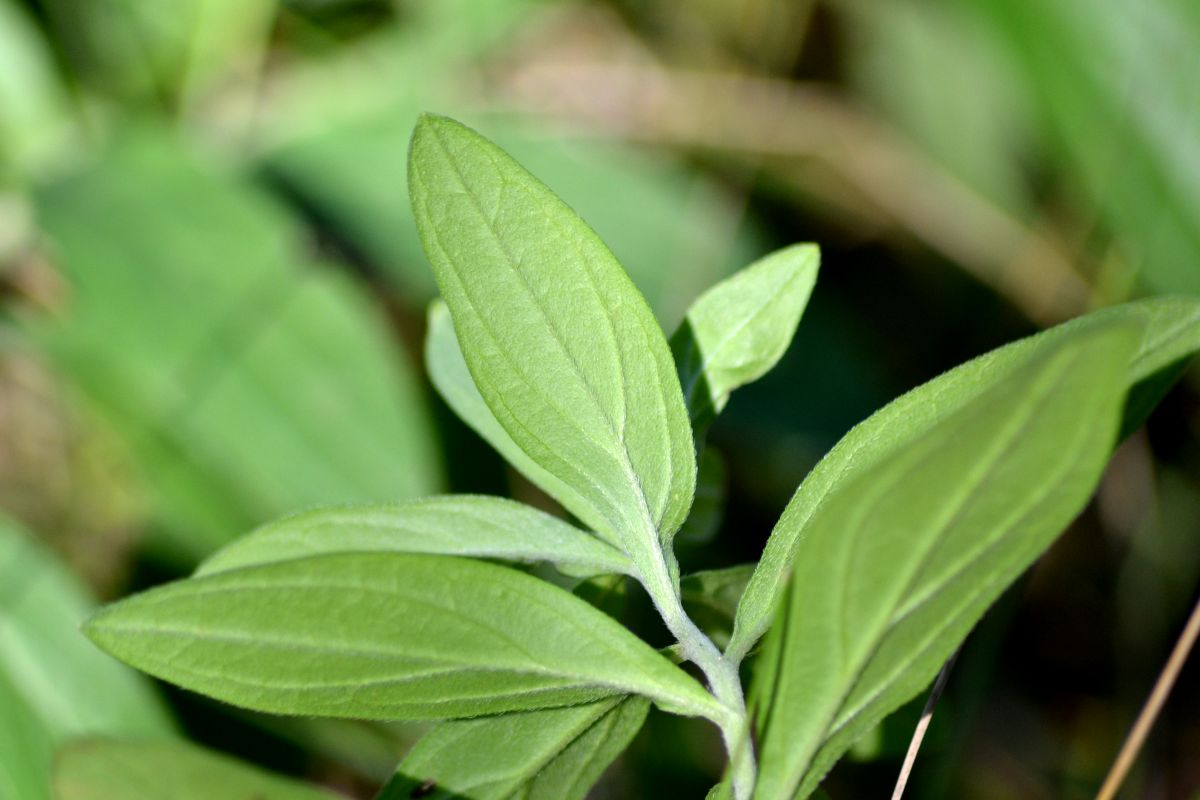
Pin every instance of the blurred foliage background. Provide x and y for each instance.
(212, 310)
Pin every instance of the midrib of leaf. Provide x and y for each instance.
(707, 358)
(1001, 444)
(650, 526)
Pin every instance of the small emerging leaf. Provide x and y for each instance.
(387, 636)
(561, 345)
(461, 525)
(112, 769)
(555, 754)
(740, 328)
(895, 566)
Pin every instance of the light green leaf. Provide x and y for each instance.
(739, 329)
(1171, 333)
(53, 684)
(460, 525)
(562, 346)
(451, 377)
(113, 769)
(555, 754)
(898, 564)
(387, 636)
(197, 329)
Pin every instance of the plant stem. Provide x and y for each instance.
(722, 674)
(1162, 687)
(725, 684)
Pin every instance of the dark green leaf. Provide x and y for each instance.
(555, 754)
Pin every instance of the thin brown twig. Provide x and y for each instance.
(1158, 696)
(935, 694)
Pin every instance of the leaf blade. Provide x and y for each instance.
(563, 348)
(1171, 333)
(553, 754)
(387, 636)
(458, 525)
(738, 330)
(896, 566)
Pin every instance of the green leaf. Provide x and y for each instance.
(562, 347)
(898, 564)
(459, 525)
(1171, 332)
(53, 684)
(197, 329)
(387, 636)
(112, 769)
(740, 328)
(555, 754)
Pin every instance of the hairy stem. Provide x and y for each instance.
(722, 674)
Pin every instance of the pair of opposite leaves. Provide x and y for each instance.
(911, 526)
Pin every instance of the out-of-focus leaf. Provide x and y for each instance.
(896, 566)
(462, 525)
(53, 683)
(115, 769)
(1171, 333)
(711, 598)
(387, 636)
(555, 754)
(247, 385)
(563, 348)
(938, 74)
(32, 101)
(737, 330)
(141, 49)
(1116, 83)
(708, 510)
(675, 233)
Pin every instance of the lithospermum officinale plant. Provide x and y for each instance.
(887, 555)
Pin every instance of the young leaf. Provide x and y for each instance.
(1171, 333)
(460, 525)
(554, 754)
(387, 636)
(563, 348)
(451, 377)
(112, 769)
(739, 329)
(711, 598)
(898, 564)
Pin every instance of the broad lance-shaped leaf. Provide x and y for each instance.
(708, 510)
(460, 525)
(563, 348)
(739, 329)
(898, 564)
(1170, 334)
(554, 754)
(114, 769)
(387, 636)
